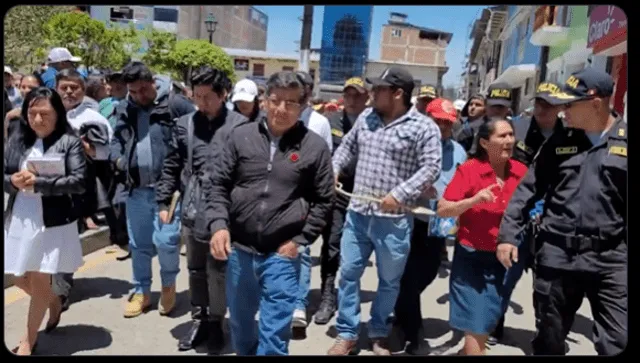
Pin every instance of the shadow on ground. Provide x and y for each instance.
(183, 303)
(97, 287)
(517, 338)
(70, 339)
(583, 326)
(181, 330)
(315, 261)
(445, 269)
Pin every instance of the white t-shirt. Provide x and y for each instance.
(318, 124)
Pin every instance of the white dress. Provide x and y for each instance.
(29, 246)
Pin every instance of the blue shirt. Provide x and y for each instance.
(49, 77)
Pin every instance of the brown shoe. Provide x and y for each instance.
(167, 300)
(343, 347)
(380, 346)
(136, 305)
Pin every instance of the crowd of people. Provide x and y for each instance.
(249, 176)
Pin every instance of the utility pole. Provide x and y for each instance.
(305, 40)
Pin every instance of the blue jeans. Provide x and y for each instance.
(390, 238)
(305, 279)
(148, 235)
(265, 283)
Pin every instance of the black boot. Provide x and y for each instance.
(215, 341)
(328, 303)
(497, 334)
(198, 332)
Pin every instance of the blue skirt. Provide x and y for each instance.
(476, 291)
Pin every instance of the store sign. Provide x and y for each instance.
(607, 24)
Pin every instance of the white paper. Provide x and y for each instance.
(48, 165)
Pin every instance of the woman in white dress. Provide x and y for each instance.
(44, 174)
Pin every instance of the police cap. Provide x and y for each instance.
(499, 94)
(585, 84)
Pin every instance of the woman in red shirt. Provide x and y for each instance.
(478, 194)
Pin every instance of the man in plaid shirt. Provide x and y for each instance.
(398, 152)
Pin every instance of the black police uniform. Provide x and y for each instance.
(581, 248)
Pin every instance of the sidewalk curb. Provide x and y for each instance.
(90, 241)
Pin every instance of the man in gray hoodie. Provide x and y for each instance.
(145, 120)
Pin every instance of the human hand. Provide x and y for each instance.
(220, 245)
(288, 249)
(164, 216)
(89, 149)
(507, 254)
(486, 195)
(390, 204)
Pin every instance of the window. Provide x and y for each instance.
(396, 33)
(119, 13)
(241, 64)
(258, 70)
(287, 68)
(165, 14)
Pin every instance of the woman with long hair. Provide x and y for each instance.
(41, 234)
(478, 195)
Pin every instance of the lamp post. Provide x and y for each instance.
(211, 24)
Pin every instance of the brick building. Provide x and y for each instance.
(239, 26)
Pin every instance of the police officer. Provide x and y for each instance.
(530, 133)
(426, 94)
(581, 249)
(498, 104)
(355, 97)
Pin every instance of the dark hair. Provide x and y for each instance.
(254, 113)
(34, 76)
(136, 71)
(71, 75)
(484, 132)
(94, 83)
(207, 76)
(289, 80)
(465, 110)
(24, 134)
(114, 76)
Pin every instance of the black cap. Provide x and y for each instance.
(394, 77)
(428, 91)
(356, 83)
(585, 84)
(546, 92)
(499, 94)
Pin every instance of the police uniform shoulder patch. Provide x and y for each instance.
(618, 150)
(621, 132)
(566, 150)
(337, 133)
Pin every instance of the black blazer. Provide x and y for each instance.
(60, 195)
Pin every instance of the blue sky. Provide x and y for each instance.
(285, 29)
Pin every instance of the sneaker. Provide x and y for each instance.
(299, 319)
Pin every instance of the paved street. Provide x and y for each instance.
(94, 323)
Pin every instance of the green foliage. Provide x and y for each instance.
(189, 54)
(98, 45)
(23, 33)
(160, 45)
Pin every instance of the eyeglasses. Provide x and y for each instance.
(288, 105)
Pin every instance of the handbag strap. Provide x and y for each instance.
(190, 146)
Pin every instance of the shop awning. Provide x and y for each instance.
(517, 75)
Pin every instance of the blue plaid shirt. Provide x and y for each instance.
(402, 158)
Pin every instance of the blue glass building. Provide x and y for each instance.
(346, 31)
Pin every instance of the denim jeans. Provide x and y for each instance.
(390, 238)
(148, 235)
(265, 283)
(305, 279)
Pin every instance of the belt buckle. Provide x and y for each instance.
(586, 243)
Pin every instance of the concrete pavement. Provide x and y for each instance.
(94, 322)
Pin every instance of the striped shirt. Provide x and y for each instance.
(402, 158)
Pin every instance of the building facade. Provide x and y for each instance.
(570, 54)
(346, 31)
(239, 26)
(259, 65)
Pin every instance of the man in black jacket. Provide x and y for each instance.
(355, 97)
(271, 194)
(210, 126)
(145, 120)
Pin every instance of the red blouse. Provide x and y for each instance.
(479, 225)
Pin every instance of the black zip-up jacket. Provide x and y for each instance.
(266, 203)
(209, 137)
(529, 138)
(61, 195)
(340, 126)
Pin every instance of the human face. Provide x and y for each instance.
(207, 100)
(497, 111)
(17, 78)
(446, 128)
(283, 109)
(382, 98)
(422, 103)
(354, 101)
(544, 112)
(117, 89)
(142, 92)
(579, 114)
(27, 84)
(476, 108)
(245, 108)
(42, 117)
(8, 79)
(499, 146)
(71, 91)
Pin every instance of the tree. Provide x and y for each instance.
(23, 33)
(99, 46)
(190, 54)
(160, 44)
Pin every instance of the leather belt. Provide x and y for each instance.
(580, 243)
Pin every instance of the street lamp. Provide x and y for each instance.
(211, 24)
